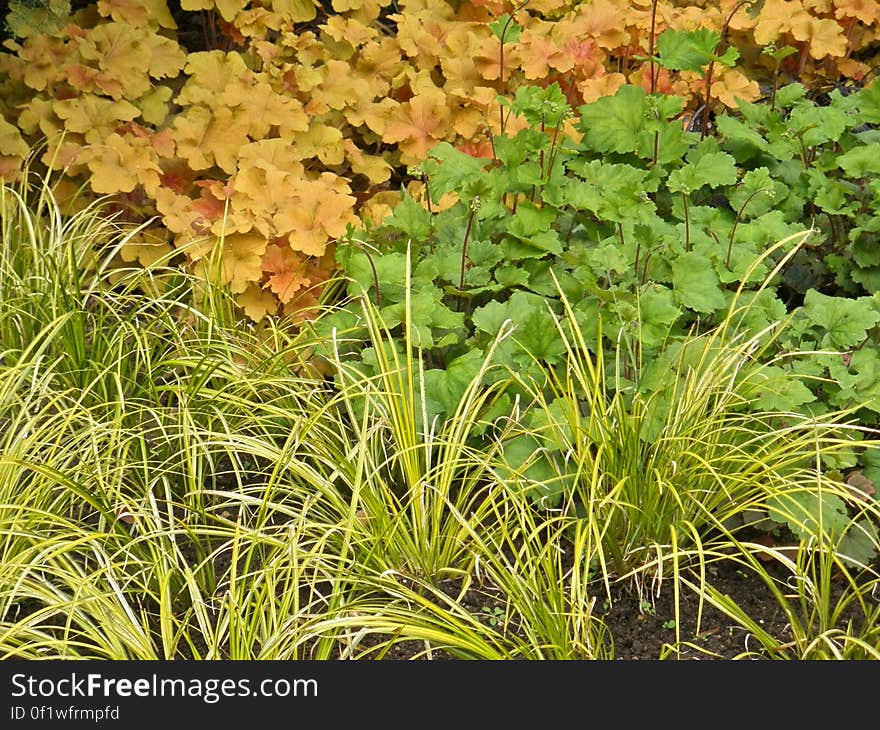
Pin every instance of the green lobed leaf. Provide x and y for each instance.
(691, 50)
(861, 161)
(614, 123)
(706, 165)
(696, 284)
(450, 170)
(868, 103)
(844, 322)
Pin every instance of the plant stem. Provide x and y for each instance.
(687, 223)
(464, 244)
(651, 44)
(735, 224)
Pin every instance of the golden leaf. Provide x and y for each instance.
(121, 51)
(374, 167)
(270, 154)
(11, 142)
(379, 59)
(297, 11)
(467, 120)
(315, 213)
(255, 23)
(259, 190)
(419, 36)
(196, 4)
(605, 85)
(138, 13)
(487, 58)
(374, 115)
(825, 37)
(601, 21)
(778, 17)
(256, 302)
(321, 141)
(365, 11)
(379, 206)
(10, 167)
(119, 164)
(154, 106)
(733, 85)
(538, 52)
(66, 154)
(239, 262)
(586, 56)
(209, 73)
(89, 80)
(349, 30)
(339, 88)
(204, 138)
(147, 247)
(94, 116)
(868, 11)
(286, 271)
(418, 125)
(166, 57)
(228, 9)
(261, 107)
(45, 59)
(177, 213)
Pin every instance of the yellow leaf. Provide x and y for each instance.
(313, 214)
(204, 138)
(349, 30)
(148, 248)
(229, 8)
(154, 106)
(340, 87)
(321, 141)
(379, 206)
(270, 154)
(605, 85)
(256, 24)
(825, 36)
(239, 263)
(538, 52)
(374, 115)
(94, 116)
(120, 164)
(138, 13)
(261, 107)
(379, 59)
(418, 125)
(177, 213)
(11, 142)
(45, 60)
(297, 11)
(868, 11)
(734, 85)
(488, 59)
(373, 167)
(166, 57)
(778, 17)
(256, 302)
(120, 50)
(603, 22)
(196, 4)
(209, 73)
(420, 36)
(286, 269)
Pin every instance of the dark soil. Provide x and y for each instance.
(644, 627)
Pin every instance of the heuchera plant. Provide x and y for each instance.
(256, 141)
